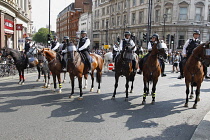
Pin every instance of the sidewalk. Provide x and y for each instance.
(202, 132)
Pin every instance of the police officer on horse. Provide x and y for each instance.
(115, 50)
(83, 47)
(55, 44)
(28, 45)
(155, 37)
(127, 41)
(188, 48)
(63, 51)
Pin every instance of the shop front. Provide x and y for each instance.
(8, 31)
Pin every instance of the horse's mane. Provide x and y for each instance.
(15, 53)
(197, 50)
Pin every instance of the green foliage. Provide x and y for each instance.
(41, 35)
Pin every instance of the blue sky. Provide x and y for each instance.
(40, 12)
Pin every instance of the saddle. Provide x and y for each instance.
(85, 60)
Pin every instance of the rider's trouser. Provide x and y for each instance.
(64, 60)
(87, 55)
(162, 64)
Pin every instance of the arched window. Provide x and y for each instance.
(157, 13)
(198, 11)
(183, 11)
(168, 11)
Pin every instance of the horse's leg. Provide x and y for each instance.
(64, 77)
(153, 90)
(145, 92)
(80, 87)
(38, 69)
(191, 95)
(72, 85)
(86, 82)
(48, 80)
(116, 85)
(54, 81)
(187, 93)
(23, 77)
(197, 95)
(92, 78)
(45, 79)
(20, 76)
(132, 86)
(98, 78)
(59, 82)
(127, 86)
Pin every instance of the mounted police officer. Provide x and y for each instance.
(83, 47)
(155, 37)
(188, 48)
(55, 44)
(127, 41)
(28, 45)
(63, 52)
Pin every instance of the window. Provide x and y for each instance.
(183, 13)
(198, 12)
(141, 16)
(113, 22)
(209, 16)
(103, 24)
(125, 19)
(141, 2)
(134, 3)
(181, 40)
(157, 15)
(133, 18)
(119, 6)
(107, 10)
(113, 7)
(103, 11)
(168, 13)
(118, 20)
(125, 4)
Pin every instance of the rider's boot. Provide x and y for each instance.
(134, 66)
(64, 65)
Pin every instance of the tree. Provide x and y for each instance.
(41, 35)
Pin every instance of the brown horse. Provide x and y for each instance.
(77, 68)
(152, 70)
(54, 65)
(194, 71)
(123, 66)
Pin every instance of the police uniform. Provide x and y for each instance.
(63, 52)
(28, 44)
(55, 45)
(115, 51)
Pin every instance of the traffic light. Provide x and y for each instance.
(167, 39)
(145, 37)
(48, 38)
(172, 39)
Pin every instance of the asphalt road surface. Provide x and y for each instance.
(30, 112)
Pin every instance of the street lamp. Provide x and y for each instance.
(164, 26)
(124, 25)
(107, 32)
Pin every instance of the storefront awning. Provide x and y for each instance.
(7, 31)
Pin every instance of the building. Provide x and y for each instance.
(15, 22)
(68, 18)
(113, 17)
(86, 24)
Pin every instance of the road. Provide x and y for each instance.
(30, 112)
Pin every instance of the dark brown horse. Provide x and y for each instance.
(194, 71)
(123, 67)
(20, 62)
(77, 68)
(152, 70)
(54, 65)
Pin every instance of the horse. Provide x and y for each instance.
(123, 67)
(77, 68)
(55, 66)
(108, 57)
(152, 70)
(20, 61)
(194, 70)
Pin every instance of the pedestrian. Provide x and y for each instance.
(176, 62)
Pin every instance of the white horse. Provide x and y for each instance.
(108, 57)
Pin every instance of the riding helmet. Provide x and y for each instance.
(127, 33)
(65, 38)
(55, 37)
(28, 38)
(83, 32)
(155, 36)
(197, 32)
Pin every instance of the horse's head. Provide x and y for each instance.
(71, 49)
(5, 52)
(161, 47)
(127, 53)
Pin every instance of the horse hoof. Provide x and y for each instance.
(91, 90)
(80, 98)
(113, 98)
(85, 87)
(126, 99)
(37, 80)
(143, 102)
(19, 83)
(22, 83)
(131, 91)
(198, 99)
(44, 87)
(153, 102)
(191, 96)
(98, 91)
(59, 91)
(63, 81)
(71, 96)
(194, 106)
(54, 90)
(185, 105)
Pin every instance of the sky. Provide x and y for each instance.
(40, 12)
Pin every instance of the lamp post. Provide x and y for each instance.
(149, 20)
(107, 32)
(164, 26)
(124, 25)
(49, 38)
